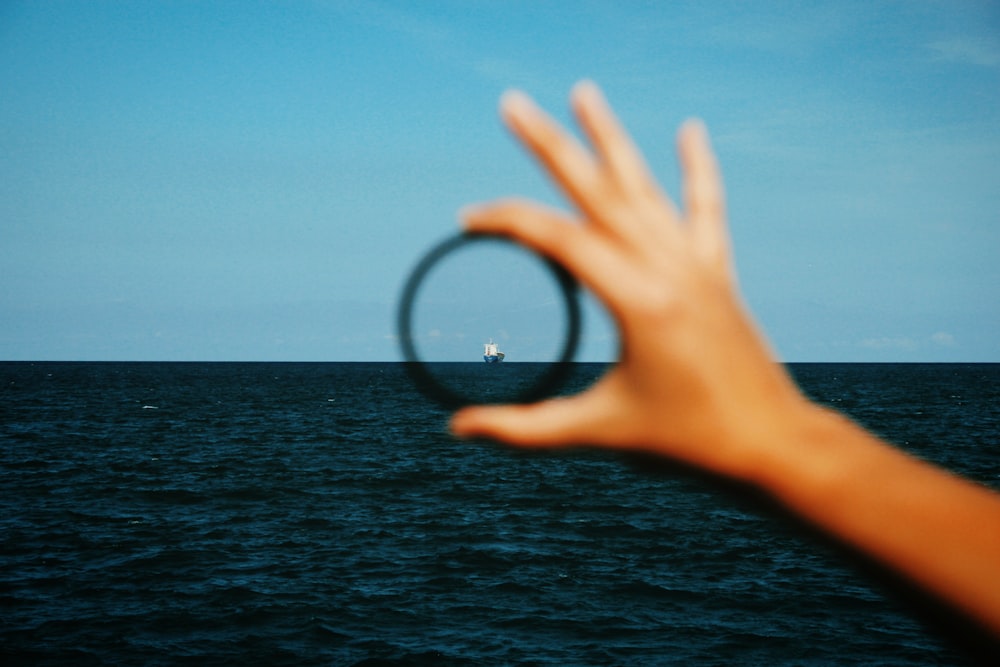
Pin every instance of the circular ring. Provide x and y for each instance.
(547, 384)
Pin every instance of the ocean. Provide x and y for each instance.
(319, 514)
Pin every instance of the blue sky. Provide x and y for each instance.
(253, 181)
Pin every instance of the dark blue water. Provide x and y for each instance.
(319, 514)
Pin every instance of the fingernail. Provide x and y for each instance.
(695, 127)
(456, 425)
(515, 104)
(468, 213)
(586, 91)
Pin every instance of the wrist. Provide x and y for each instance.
(814, 453)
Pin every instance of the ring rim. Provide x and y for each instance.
(549, 382)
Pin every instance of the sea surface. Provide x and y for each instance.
(319, 514)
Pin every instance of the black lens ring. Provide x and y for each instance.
(550, 381)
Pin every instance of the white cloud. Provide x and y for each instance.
(981, 51)
(907, 343)
(943, 339)
(889, 343)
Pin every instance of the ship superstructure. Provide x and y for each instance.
(492, 353)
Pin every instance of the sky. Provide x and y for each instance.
(243, 181)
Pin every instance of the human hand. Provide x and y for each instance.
(695, 380)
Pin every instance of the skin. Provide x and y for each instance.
(696, 381)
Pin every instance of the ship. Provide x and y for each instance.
(492, 353)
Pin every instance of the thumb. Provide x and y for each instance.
(553, 423)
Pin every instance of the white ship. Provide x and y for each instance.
(492, 353)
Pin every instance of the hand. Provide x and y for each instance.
(695, 380)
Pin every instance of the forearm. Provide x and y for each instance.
(940, 531)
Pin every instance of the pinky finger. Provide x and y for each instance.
(704, 198)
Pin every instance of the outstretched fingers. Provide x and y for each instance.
(610, 185)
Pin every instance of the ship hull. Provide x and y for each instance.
(492, 353)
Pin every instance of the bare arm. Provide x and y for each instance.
(696, 381)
